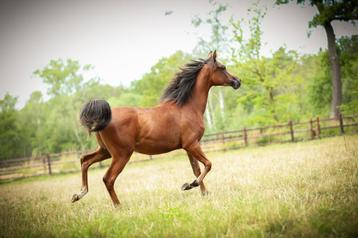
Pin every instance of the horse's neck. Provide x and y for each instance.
(199, 98)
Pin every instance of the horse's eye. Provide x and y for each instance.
(223, 67)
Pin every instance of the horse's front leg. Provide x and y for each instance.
(195, 151)
(86, 161)
(196, 170)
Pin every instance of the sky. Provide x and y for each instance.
(123, 39)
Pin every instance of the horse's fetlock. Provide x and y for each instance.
(195, 183)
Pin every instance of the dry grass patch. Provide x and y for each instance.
(304, 189)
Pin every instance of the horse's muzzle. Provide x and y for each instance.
(235, 83)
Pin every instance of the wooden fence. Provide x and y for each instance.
(290, 132)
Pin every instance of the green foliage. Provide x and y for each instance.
(11, 138)
(63, 77)
(316, 71)
(127, 98)
(346, 10)
(53, 126)
(152, 84)
(219, 31)
(272, 86)
(31, 120)
(347, 49)
(275, 89)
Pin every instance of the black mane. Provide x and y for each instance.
(180, 88)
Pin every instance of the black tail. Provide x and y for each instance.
(95, 115)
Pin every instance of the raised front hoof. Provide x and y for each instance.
(186, 186)
(75, 198)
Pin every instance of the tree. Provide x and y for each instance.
(11, 139)
(328, 11)
(316, 71)
(219, 40)
(68, 90)
(31, 120)
(272, 86)
(151, 85)
(63, 77)
(347, 50)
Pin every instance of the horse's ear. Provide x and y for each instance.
(212, 56)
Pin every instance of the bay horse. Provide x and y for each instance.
(176, 122)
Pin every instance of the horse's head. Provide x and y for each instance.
(218, 75)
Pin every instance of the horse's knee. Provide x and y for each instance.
(85, 165)
(82, 159)
(108, 182)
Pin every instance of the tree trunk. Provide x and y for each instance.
(272, 104)
(208, 115)
(335, 70)
(222, 104)
(208, 118)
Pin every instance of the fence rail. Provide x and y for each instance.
(290, 132)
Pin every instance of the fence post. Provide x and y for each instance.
(49, 164)
(311, 129)
(150, 157)
(245, 137)
(341, 126)
(223, 138)
(318, 128)
(291, 131)
(44, 164)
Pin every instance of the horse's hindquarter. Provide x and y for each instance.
(120, 133)
(158, 130)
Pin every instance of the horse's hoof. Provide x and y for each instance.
(75, 198)
(205, 193)
(194, 184)
(186, 186)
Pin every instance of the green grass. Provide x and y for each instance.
(305, 189)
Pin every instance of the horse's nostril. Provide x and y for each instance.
(235, 83)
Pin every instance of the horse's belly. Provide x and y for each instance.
(156, 147)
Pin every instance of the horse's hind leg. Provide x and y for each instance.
(196, 170)
(86, 161)
(119, 161)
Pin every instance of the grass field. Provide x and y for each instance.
(307, 189)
